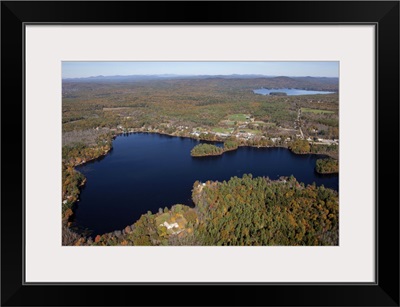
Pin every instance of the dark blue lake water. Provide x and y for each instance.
(289, 91)
(148, 171)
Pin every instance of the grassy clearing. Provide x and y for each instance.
(222, 130)
(227, 122)
(316, 111)
(238, 117)
(261, 123)
(250, 131)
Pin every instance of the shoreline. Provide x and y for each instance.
(328, 173)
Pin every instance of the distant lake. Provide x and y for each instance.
(289, 91)
(147, 171)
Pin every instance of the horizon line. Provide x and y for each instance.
(194, 75)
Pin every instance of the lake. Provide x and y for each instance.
(147, 171)
(289, 91)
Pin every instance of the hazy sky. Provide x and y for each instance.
(88, 69)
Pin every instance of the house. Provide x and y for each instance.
(170, 226)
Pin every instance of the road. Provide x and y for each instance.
(299, 123)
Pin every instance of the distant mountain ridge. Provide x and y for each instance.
(127, 78)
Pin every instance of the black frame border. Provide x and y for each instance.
(383, 14)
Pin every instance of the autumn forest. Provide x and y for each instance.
(223, 114)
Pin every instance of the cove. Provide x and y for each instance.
(289, 91)
(144, 172)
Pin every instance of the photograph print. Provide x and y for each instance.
(200, 153)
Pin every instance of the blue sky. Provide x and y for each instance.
(88, 69)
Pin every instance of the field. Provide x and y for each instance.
(252, 131)
(227, 122)
(239, 117)
(222, 130)
(261, 123)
